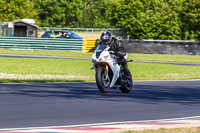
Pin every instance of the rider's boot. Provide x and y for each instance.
(127, 73)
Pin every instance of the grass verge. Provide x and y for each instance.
(166, 58)
(142, 57)
(56, 70)
(59, 53)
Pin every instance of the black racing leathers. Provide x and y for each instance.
(120, 52)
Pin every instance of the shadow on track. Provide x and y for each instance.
(146, 92)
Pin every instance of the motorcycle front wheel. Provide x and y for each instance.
(102, 80)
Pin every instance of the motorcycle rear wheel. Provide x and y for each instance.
(102, 80)
(127, 86)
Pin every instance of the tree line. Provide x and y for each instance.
(143, 19)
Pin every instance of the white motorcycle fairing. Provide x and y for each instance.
(105, 58)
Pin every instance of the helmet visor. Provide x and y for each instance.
(105, 41)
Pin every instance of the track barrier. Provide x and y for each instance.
(24, 43)
(88, 45)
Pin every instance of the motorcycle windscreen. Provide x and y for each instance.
(99, 50)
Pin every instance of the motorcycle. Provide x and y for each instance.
(109, 73)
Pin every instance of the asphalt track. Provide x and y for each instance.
(61, 104)
(80, 58)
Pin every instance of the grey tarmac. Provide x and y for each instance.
(75, 103)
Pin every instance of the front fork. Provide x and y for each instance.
(106, 72)
(115, 68)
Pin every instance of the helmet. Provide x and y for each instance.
(106, 38)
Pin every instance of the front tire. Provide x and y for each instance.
(102, 80)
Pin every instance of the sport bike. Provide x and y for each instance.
(109, 73)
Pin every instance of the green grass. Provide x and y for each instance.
(45, 66)
(147, 71)
(40, 70)
(142, 57)
(166, 58)
(59, 53)
(26, 69)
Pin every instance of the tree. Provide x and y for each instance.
(75, 13)
(97, 13)
(16, 9)
(149, 19)
(59, 13)
(50, 13)
(190, 17)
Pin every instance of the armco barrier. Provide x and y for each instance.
(41, 43)
(88, 45)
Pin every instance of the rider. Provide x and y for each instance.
(115, 46)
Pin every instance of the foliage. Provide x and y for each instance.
(16, 9)
(149, 19)
(144, 19)
(59, 13)
(97, 13)
(190, 17)
(74, 13)
(159, 19)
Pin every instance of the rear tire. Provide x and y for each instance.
(127, 86)
(102, 81)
